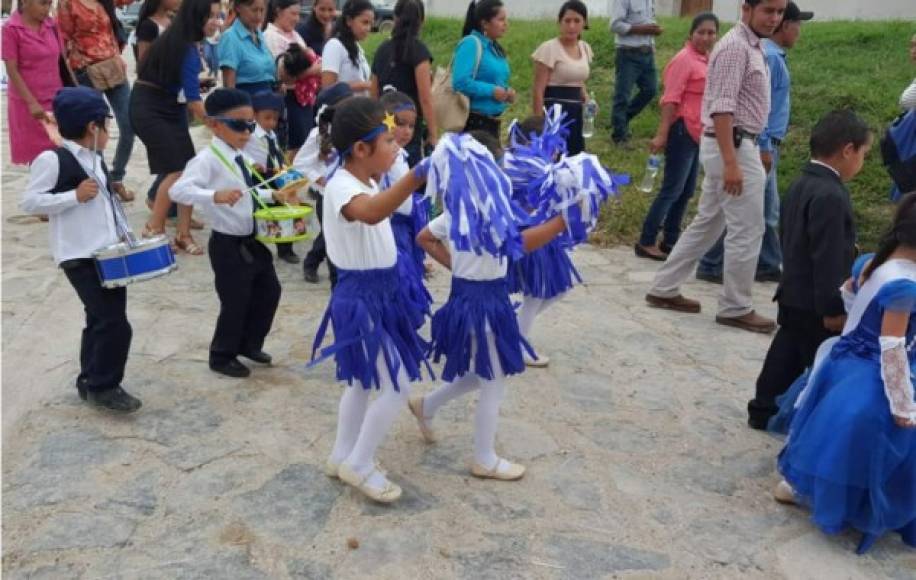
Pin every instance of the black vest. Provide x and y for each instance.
(70, 173)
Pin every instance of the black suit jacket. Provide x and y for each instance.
(818, 238)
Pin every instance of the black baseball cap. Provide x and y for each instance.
(794, 14)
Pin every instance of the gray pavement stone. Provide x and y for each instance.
(584, 558)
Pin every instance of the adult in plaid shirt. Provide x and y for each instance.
(735, 109)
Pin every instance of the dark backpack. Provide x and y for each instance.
(898, 151)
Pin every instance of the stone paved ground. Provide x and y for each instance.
(640, 465)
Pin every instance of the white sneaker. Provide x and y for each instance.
(540, 362)
(388, 493)
(784, 493)
(415, 404)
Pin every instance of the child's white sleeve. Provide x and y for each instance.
(439, 227)
(37, 197)
(307, 161)
(194, 185)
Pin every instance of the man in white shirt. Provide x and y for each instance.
(633, 22)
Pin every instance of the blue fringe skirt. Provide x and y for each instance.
(459, 330)
(370, 316)
(406, 228)
(544, 273)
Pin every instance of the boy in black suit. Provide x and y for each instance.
(818, 243)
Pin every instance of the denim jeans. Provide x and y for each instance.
(682, 162)
(119, 99)
(632, 68)
(770, 252)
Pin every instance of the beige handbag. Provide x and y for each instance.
(107, 74)
(452, 108)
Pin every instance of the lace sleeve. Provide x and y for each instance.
(895, 372)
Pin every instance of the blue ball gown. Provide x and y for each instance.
(845, 457)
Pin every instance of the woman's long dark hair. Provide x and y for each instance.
(408, 19)
(478, 12)
(903, 232)
(274, 7)
(147, 9)
(314, 26)
(344, 34)
(166, 56)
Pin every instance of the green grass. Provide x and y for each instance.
(861, 65)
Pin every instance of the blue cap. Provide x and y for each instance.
(76, 107)
(333, 95)
(267, 101)
(222, 100)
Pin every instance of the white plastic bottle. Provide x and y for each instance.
(647, 185)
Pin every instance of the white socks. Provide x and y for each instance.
(360, 430)
(486, 416)
(529, 310)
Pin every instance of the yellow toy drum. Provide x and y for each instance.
(282, 224)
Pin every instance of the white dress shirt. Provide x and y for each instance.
(626, 15)
(467, 265)
(354, 245)
(257, 148)
(308, 161)
(75, 229)
(205, 175)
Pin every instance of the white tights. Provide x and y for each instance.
(531, 307)
(486, 416)
(361, 426)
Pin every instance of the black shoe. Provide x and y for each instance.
(665, 247)
(758, 423)
(772, 276)
(289, 257)
(258, 357)
(116, 399)
(711, 278)
(81, 387)
(310, 275)
(231, 368)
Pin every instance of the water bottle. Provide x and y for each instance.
(648, 181)
(588, 118)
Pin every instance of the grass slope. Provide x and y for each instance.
(861, 65)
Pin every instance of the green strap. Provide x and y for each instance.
(231, 167)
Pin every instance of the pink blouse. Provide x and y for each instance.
(685, 82)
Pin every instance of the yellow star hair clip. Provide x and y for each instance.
(389, 121)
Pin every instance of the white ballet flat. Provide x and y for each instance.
(387, 494)
(784, 493)
(415, 404)
(331, 469)
(503, 470)
(539, 363)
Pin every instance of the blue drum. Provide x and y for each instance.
(291, 179)
(120, 264)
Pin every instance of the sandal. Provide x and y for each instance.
(188, 245)
(387, 494)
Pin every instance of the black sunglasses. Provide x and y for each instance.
(237, 125)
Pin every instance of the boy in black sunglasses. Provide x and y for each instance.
(219, 179)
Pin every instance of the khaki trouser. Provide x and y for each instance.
(743, 217)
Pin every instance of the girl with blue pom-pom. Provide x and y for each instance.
(476, 330)
(851, 452)
(376, 342)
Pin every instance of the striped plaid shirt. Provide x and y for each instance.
(738, 81)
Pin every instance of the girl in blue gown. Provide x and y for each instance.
(851, 452)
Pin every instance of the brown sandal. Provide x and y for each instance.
(188, 245)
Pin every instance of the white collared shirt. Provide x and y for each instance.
(205, 175)
(308, 161)
(257, 147)
(822, 164)
(75, 229)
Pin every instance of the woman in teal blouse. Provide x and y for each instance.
(244, 58)
(480, 69)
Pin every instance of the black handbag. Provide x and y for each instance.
(67, 78)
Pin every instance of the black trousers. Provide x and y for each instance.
(800, 334)
(478, 122)
(570, 99)
(318, 252)
(248, 291)
(106, 338)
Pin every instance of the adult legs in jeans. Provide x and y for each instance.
(637, 68)
(681, 166)
(743, 215)
(119, 97)
(770, 261)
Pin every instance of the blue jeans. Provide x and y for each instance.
(119, 99)
(632, 68)
(770, 259)
(682, 162)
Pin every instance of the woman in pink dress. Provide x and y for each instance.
(31, 42)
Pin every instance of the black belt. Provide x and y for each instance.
(737, 131)
(643, 49)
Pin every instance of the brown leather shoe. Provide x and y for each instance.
(678, 303)
(650, 252)
(125, 194)
(751, 321)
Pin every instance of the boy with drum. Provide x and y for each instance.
(70, 184)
